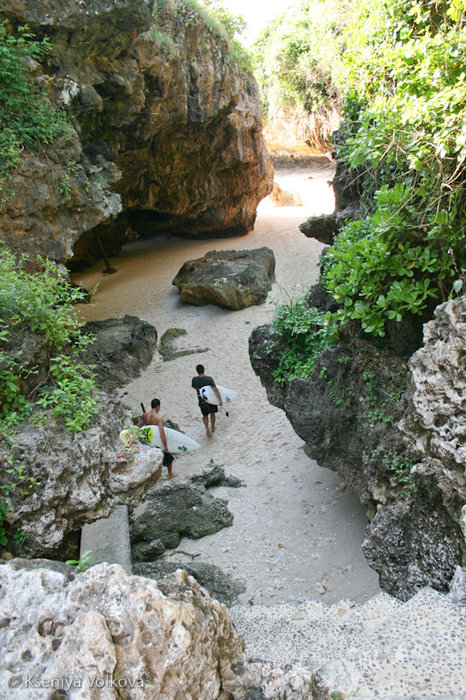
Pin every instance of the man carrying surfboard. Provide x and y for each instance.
(153, 417)
(207, 409)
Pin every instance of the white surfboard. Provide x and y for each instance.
(209, 395)
(176, 442)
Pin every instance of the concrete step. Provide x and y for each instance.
(351, 628)
(417, 652)
(309, 633)
(108, 539)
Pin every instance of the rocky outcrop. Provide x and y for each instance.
(221, 586)
(176, 343)
(64, 480)
(166, 131)
(124, 635)
(427, 540)
(174, 510)
(285, 198)
(396, 436)
(234, 279)
(106, 634)
(122, 349)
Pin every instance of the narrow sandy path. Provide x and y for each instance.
(297, 530)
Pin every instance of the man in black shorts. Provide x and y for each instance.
(207, 409)
(153, 417)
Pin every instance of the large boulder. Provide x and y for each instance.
(159, 105)
(124, 634)
(64, 480)
(176, 509)
(234, 279)
(122, 349)
(107, 634)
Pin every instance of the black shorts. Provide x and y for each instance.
(167, 459)
(207, 408)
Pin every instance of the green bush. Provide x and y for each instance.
(40, 304)
(403, 140)
(27, 117)
(405, 125)
(305, 333)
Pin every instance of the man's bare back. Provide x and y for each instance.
(153, 417)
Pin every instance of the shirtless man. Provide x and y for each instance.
(153, 417)
(207, 409)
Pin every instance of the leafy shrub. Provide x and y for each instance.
(405, 124)
(378, 268)
(305, 332)
(27, 117)
(41, 304)
(404, 139)
(293, 59)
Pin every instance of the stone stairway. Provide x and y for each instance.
(381, 649)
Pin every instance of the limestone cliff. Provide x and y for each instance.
(167, 131)
(63, 480)
(105, 634)
(396, 431)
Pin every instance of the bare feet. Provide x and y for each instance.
(208, 432)
(172, 475)
(213, 428)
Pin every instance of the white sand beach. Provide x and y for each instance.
(297, 530)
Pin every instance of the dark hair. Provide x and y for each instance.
(155, 403)
(200, 369)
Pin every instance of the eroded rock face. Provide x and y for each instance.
(234, 279)
(437, 388)
(122, 349)
(72, 479)
(397, 436)
(107, 634)
(172, 641)
(159, 106)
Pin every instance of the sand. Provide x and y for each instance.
(297, 529)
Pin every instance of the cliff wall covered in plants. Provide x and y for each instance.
(370, 366)
(133, 118)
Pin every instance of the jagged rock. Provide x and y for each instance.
(71, 479)
(173, 510)
(170, 346)
(323, 228)
(414, 543)
(436, 421)
(222, 587)
(403, 453)
(122, 349)
(214, 475)
(234, 279)
(285, 198)
(119, 630)
(158, 105)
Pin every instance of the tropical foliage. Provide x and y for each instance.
(40, 305)
(27, 117)
(404, 137)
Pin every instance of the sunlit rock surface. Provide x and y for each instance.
(166, 130)
(70, 479)
(234, 279)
